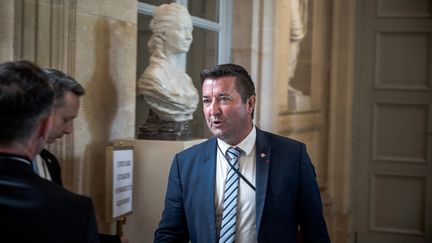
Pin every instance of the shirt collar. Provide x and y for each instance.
(247, 144)
(16, 157)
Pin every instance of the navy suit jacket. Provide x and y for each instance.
(287, 194)
(33, 209)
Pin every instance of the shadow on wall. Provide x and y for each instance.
(102, 102)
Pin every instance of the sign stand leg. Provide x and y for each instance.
(120, 224)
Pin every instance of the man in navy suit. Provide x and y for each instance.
(67, 94)
(277, 193)
(33, 209)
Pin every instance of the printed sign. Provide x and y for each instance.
(122, 182)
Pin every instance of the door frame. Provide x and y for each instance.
(341, 109)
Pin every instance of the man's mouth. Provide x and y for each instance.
(216, 123)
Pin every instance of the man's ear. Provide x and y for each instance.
(45, 127)
(251, 103)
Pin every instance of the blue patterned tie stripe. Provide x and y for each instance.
(228, 225)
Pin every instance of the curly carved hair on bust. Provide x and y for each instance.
(166, 17)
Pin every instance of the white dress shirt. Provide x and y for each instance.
(245, 224)
(41, 168)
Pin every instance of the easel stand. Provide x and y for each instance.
(120, 223)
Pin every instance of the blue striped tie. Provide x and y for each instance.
(228, 225)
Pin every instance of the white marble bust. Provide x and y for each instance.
(166, 88)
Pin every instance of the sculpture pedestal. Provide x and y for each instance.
(152, 163)
(157, 129)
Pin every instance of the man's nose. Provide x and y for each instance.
(215, 108)
(68, 128)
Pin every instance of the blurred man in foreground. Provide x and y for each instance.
(33, 209)
(67, 94)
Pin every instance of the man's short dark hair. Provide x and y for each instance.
(61, 83)
(244, 83)
(25, 99)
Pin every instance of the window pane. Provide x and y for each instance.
(156, 2)
(201, 55)
(206, 9)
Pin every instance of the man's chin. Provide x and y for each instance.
(218, 133)
(51, 140)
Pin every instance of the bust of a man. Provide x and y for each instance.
(166, 88)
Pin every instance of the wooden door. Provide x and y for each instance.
(393, 122)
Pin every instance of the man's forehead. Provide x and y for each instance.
(217, 87)
(219, 82)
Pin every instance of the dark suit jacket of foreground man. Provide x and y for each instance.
(26, 200)
(287, 194)
(54, 169)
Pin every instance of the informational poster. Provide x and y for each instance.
(122, 182)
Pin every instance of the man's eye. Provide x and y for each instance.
(225, 99)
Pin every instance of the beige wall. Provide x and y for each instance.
(105, 64)
(7, 29)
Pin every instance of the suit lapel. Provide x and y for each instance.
(53, 166)
(209, 168)
(263, 155)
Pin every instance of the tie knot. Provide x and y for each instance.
(234, 152)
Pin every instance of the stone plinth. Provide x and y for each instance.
(157, 129)
(152, 163)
